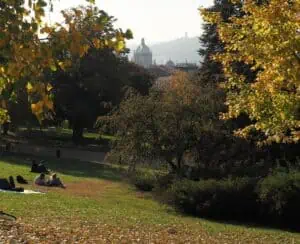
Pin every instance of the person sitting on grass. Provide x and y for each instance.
(55, 181)
(40, 180)
(39, 168)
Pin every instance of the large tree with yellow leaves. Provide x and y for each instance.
(25, 57)
(267, 39)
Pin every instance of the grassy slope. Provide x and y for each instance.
(99, 206)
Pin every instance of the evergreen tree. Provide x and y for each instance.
(211, 71)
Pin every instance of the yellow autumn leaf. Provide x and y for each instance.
(49, 87)
(29, 87)
(120, 46)
(96, 43)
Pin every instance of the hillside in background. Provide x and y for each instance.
(179, 50)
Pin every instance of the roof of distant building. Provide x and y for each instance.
(186, 65)
(143, 48)
(160, 71)
(170, 63)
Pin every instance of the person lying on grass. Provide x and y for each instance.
(53, 181)
(40, 180)
(9, 185)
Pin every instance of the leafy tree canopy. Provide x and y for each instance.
(25, 57)
(167, 124)
(266, 38)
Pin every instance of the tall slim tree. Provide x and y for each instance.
(211, 71)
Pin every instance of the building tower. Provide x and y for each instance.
(143, 55)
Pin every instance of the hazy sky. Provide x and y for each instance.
(155, 20)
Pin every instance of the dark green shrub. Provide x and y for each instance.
(144, 180)
(279, 195)
(164, 181)
(221, 199)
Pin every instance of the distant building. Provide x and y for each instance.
(143, 55)
(187, 67)
(170, 64)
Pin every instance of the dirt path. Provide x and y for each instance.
(97, 157)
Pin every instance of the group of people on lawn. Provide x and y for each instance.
(40, 180)
(52, 181)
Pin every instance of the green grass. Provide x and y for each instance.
(63, 137)
(58, 133)
(64, 133)
(98, 195)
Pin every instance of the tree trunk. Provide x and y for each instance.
(5, 128)
(179, 160)
(173, 166)
(41, 130)
(77, 136)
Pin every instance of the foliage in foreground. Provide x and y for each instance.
(265, 39)
(25, 57)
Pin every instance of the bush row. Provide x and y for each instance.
(274, 199)
(144, 180)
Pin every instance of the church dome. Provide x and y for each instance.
(143, 48)
(170, 63)
(143, 55)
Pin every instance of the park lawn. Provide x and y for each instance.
(99, 206)
(63, 133)
(61, 137)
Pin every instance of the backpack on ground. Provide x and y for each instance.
(21, 180)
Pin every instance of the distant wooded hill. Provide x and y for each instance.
(179, 50)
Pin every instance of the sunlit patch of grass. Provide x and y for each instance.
(99, 205)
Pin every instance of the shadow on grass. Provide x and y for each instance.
(217, 224)
(56, 138)
(263, 225)
(71, 167)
